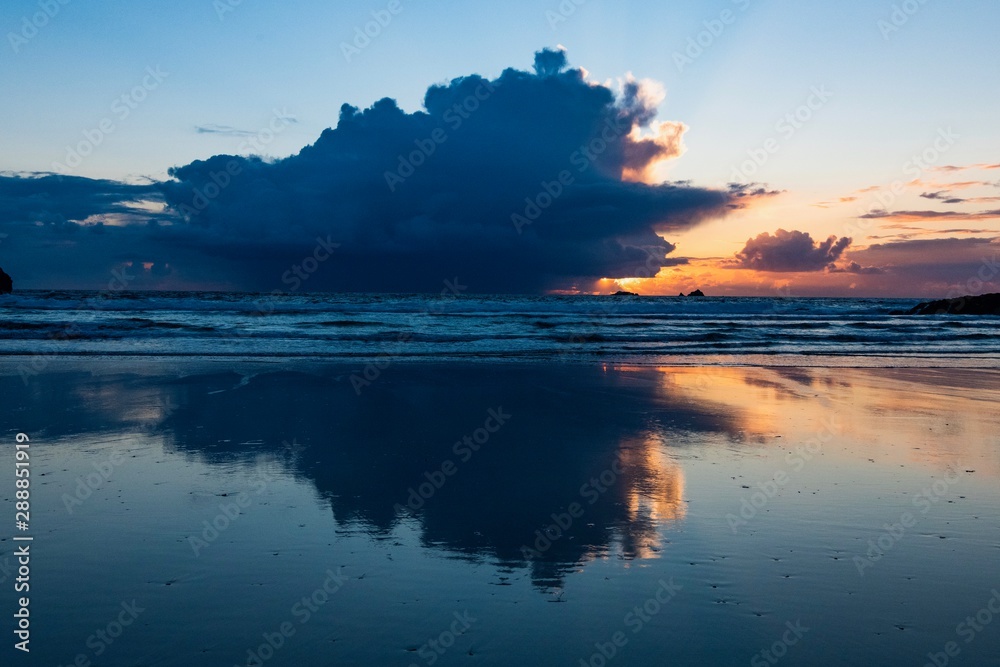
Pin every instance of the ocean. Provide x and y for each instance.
(702, 331)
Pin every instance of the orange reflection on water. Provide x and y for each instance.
(931, 417)
(654, 495)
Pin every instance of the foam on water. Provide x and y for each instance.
(510, 327)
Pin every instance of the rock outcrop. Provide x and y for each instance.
(697, 292)
(623, 293)
(985, 304)
(6, 283)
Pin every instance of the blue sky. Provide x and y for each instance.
(233, 64)
(938, 69)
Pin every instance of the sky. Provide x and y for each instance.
(746, 146)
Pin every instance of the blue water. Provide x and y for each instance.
(413, 327)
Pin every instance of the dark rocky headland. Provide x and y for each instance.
(985, 304)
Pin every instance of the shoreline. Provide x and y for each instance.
(15, 364)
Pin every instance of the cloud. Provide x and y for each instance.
(929, 267)
(54, 200)
(972, 167)
(945, 197)
(943, 251)
(958, 185)
(912, 216)
(225, 130)
(932, 189)
(415, 198)
(789, 251)
(840, 200)
(751, 191)
(854, 267)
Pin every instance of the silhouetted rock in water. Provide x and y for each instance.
(985, 304)
(681, 294)
(697, 292)
(622, 293)
(6, 283)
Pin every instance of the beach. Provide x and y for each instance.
(396, 334)
(217, 512)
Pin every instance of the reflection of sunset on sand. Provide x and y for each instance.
(654, 495)
(929, 417)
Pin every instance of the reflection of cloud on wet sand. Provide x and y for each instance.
(569, 424)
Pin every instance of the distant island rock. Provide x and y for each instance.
(697, 292)
(6, 283)
(623, 293)
(985, 304)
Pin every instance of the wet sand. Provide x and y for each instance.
(508, 514)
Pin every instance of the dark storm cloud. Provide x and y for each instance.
(413, 199)
(789, 251)
(55, 199)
